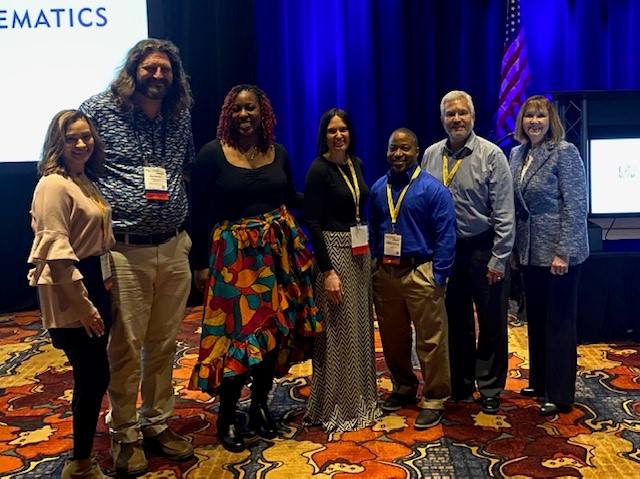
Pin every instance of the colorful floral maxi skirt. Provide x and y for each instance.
(258, 298)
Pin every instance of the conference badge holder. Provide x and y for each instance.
(392, 248)
(155, 183)
(105, 267)
(359, 239)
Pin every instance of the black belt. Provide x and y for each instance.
(406, 262)
(152, 239)
(483, 239)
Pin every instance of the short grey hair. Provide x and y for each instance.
(457, 95)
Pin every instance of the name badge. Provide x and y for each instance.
(155, 183)
(392, 248)
(359, 239)
(105, 266)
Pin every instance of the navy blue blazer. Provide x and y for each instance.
(551, 204)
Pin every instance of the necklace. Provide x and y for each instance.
(252, 156)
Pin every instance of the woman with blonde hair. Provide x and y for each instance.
(73, 235)
(551, 244)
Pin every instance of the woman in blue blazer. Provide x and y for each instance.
(551, 243)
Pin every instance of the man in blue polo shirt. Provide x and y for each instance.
(412, 228)
(145, 123)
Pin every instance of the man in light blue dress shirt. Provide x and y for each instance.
(477, 173)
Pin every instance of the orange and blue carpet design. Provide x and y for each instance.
(599, 438)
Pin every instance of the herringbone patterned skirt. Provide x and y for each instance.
(343, 389)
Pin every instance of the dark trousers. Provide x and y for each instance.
(262, 375)
(486, 363)
(89, 361)
(552, 309)
(516, 293)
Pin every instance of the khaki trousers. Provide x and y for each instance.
(150, 290)
(404, 295)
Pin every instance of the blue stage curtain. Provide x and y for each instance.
(388, 62)
(583, 44)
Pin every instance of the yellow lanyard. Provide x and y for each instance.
(447, 177)
(394, 210)
(355, 189)
(95, 197)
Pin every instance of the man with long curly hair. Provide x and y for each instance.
(145, 123)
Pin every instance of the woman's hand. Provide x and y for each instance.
(200, 277)
(333, 286)
(93, 325)
(560, 265)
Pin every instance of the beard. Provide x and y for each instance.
(153, 89)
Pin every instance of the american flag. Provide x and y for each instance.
(515, 74)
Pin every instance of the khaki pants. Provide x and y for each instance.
(150, 291)
(406, 294)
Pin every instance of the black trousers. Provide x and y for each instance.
(487, 362)
(516, 293)
(89, 361)
(552, 311)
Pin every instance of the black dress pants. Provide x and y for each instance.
(552, 310)
(487, 361)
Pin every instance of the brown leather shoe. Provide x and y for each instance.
(82, 469)
(129, 458)
(170, 445)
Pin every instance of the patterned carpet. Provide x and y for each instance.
(599, 438)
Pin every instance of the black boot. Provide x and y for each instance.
(261, 422)
(227, 423)
(260, 419)
(229, 434)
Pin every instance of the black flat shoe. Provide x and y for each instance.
(261, 422)
(529, 392)
(490, 405)
(551, 409)
(230, 437)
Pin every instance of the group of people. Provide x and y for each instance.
(111, 254)
(422, 250)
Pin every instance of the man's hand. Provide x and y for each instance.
(494, 276)
(200, 277)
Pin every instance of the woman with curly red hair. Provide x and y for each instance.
(251, 261)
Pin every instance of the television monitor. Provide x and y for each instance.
(614, 176)
(54, 55)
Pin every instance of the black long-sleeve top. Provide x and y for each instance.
(328, 203)
(221, 191)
